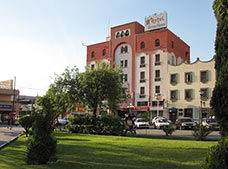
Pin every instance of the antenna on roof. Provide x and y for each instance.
(109, 34)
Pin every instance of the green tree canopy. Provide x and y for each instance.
(101, 87)
(219, 101)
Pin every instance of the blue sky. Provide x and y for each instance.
(39, 38)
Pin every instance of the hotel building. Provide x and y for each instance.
(144, 53)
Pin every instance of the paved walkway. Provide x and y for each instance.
(7, 135)
(177, 133)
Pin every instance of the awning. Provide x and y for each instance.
(145, 108)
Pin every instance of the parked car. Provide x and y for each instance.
(185, 123)
(160, 123)
(141, 123)
(210, 123)
(158, 117)
(63, 121)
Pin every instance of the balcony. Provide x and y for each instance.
(157, 63)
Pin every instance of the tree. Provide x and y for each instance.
(66, 91)
(26, 123)
(219, 101)
(101, 87)
(58, 99)
(41, 147)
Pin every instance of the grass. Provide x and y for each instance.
(113, 152)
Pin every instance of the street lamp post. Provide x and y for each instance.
(156, 97)
(201, 105)
(131, 108)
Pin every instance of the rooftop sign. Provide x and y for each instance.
(156, 22)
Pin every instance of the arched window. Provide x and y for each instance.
(104, 52)
(122, 34)
(117, 35)
(142, 45)
(127, 33)
(157, 42)
(92, 55)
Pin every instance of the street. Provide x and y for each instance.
(177, 133)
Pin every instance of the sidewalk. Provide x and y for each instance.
(7, 135)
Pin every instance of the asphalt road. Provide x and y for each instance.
(177, 133)
(7, 134)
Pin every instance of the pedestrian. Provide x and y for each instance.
(8, 120)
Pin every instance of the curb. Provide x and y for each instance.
(5, 144)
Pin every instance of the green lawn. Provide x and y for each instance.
(113, 152)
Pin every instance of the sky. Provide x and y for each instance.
(40, 38)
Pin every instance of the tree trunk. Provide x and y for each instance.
(95, 111)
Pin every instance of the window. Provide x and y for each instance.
(186, 54)
(125, 63)
(157, 42)
(173, 79)
(154, 103)
(173, 60)
(142, 61)
(142, 92)
(124, 77)
(204, 94)
(121, 63)
(126, 49)
(172, 45)
(122, 34)
(188, 112)
(118, 35)
(173, 95)
(124, 92)
(142, 45)
(203, 76)
(92, 67)
(161, 103)
(188, 94)
(142, 104)
(157, 89)
(188, 77)
(157, 59)
(127, 33)
(92, 55)
(142, 77)
(157, 75)
(104, 52)
(122, 50)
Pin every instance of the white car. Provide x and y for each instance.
(140, 123)
(157, 118)
(63, 121)
(160, 123)
(210, 123)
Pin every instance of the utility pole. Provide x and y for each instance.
(14, 93)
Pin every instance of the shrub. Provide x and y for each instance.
(26, 123)
(217, 156)
(105, 124)
(201, 132)
(168, 130)
(41, 145)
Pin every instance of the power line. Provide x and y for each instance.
(31, 88)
